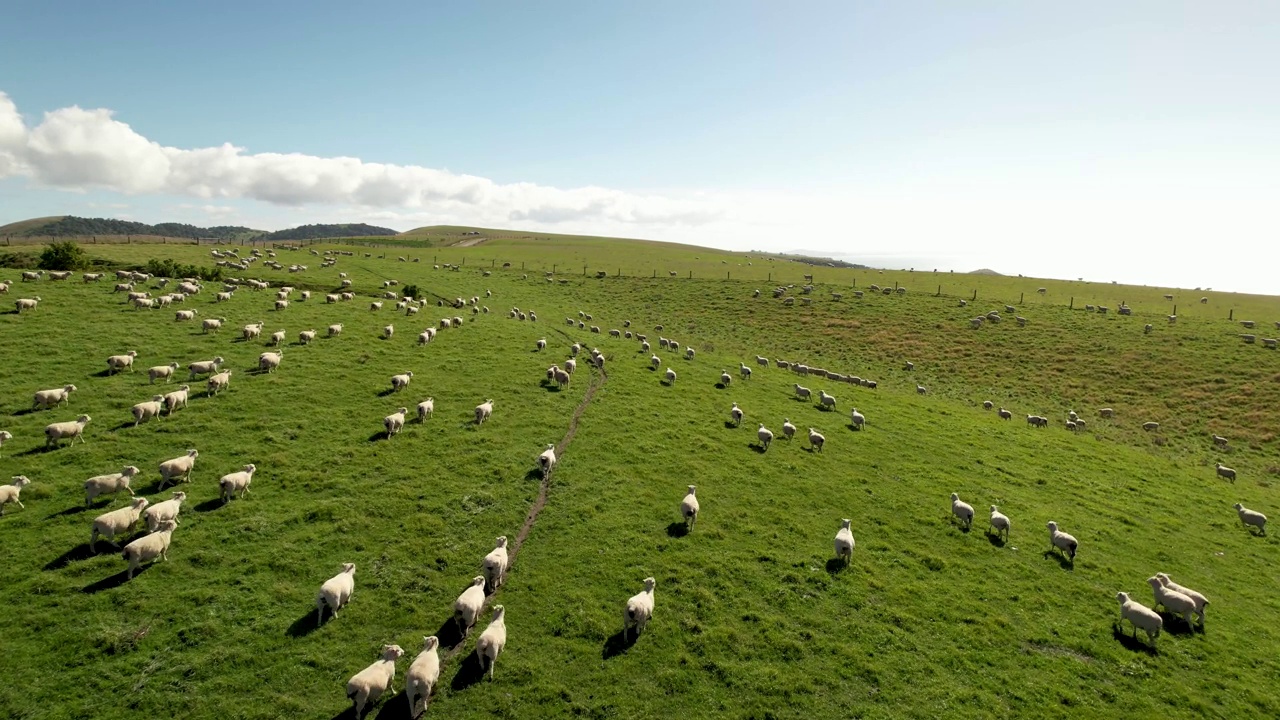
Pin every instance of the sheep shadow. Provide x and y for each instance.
(103, 373)
(1064, 562)
(469, 672)
(822, 408)
(394, 708)
(24, 411)
(348, 714)
(113, 581)
(996, 539)
(123, 426)
(729, 424)
(667, 383)
(75, 554)
(450, 634)
(210, 504)
(534, 474)
(1177, 625)
(73, 510)
(758, 447)
(677, 529)
(854, 428)
(305, 625)
(37, 450)
(386, 392)
(720, 386)
(1131, 642)
(551, 387)
(380, 435)
(799, 399)
(618, 643)
(836, 565)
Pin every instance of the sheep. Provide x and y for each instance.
(570, 365)
(803, 392)
(4, 287)
(375, 305)
(219, 382)
(306, 337)
(335, 329)
(735, 414)
(671, 376)
(1000, 523)
(827, 401)
(252, 331)
(1219, 441)
(1200, 600)
(745, 371)
(212, 324)
(109, 484)
(689, 508)
(149, 547)
(26, 304)
(394, 422)
(331, 298)
(921, 390)
(10, 493)
(176, 399)
(185, 315)
(52, 398)
(5, 436)
(400, 382)
(788, 430)
(483, 411)
(1150, 426)
(1140, 616)
(1226, 472)
(962, 510)
(56, 432)
(276, 338)
(688, 353)
(765, 435)
(421, 677)
(235, 482)
(816, 440)
(162, 371)
(1146, 329)
(547, 460)
(1173, 601)
(426, 408)
(368, 685)
(118, 521)
(639, 609)
(1061, 541)
(492, 640)
(116, 363)
(844, 541)
(336, 592)
(468, 605)
(1252, 517)
(1106, 412)
(269, 361)
(857, 419)
(494, 565)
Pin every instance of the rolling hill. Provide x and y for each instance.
(70, 226)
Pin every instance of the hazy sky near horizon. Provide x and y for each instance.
(1133, 141)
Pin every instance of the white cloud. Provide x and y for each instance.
(77, 149)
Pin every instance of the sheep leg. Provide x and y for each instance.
(24, 507)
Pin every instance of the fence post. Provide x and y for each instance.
(1072, 305)
(770, 277)
(584, 270)
(939, 292)
(690, 274)
(655, 274)
(726, 274)
(975, 293)
(1022, 298)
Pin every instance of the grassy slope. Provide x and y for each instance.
(750, 618)
(22, 226)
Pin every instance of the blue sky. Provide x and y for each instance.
(1105, 140)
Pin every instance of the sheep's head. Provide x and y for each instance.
(649, 583)
(21, 480)
(179, 496)
(130, 471)
(430, 642)
(140, 503)
(1123, 597)
(1053, 526)
(498, 612)
(83, 419)
(349, 568)
(391, 652)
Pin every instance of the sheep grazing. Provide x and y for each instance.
(828, 402)
(1200, 600)
(54, 433)
(671, 376)
(468, 605)
(422, 675)
(394, 422)
(1140, 616)
(495, 564)
(149, 547)
(816, 440)
(803, 392)
(10, 493)
(483, 411)
(689, 508)
(368, 685)
(735, 414)
(962, 510)
(109, 484)
(547, 460)
(178, 468)
(116, 363)
(236, 482)
(1000, 523)
(765, 435)
(218, 382)
(857, 419)
(335, 329)
(176, 399)
(336, 592)
(400, 382)
(1173, 601)
(269, 361)
(725, 378)
(52, 398)
(1252, 517)
(426, 408)
(276, 339)
(1061, 541)
(492, 640)
(116, 522)
(844, 541)
(1226, 472)
(788, 430)
(639, 609)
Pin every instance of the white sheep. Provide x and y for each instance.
(1150, 426)
(164, 511)
(335, 329)
(788, 430)
(844, 541)
(426, 408)
(147, 410)
(219, 382)
(1173, 601)
(400, 382)
(816, 440)
(276, 338)
(492, 640)
(1252, 517)
(765, 435)
(178, 468)
(495, 565)
(1107, 412)
(483, 411)
(962, 510)
(306, 337)
(921, 390)
(1140, 616)
(116, 363)
(116, 522)
(336, 592)
(269, 361)
(655, 361)
(56, 432)
(1200, 600)
(639, 609)
(185, 315)
(725, 378)
(735, 414)
(204, 367)
(252, 331)
(5, 436)
(1000, 523)
(53, 398)
(149, 547)
(1226, 472)
(26, 303)
(468, 605)
(421, 677)
(827, 401)
(10, 493)
(1061, 541)
(162, 371)
(176, 399)
(236, 482)
(744, 371)
(394, 422)
(542, 344)
(689, 508)
(368, 685)
(109, 484)
(857, 419)
(803, 392)
(388, 331)
(547, 460)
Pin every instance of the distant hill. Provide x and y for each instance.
(312, 232)
(986, 271)
(21, 227)
(72, 226)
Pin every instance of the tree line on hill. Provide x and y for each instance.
(72, 226)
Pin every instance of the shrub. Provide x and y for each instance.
(410, 291)
(170, 269)
(63, 256)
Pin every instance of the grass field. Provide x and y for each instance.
(753, 617)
